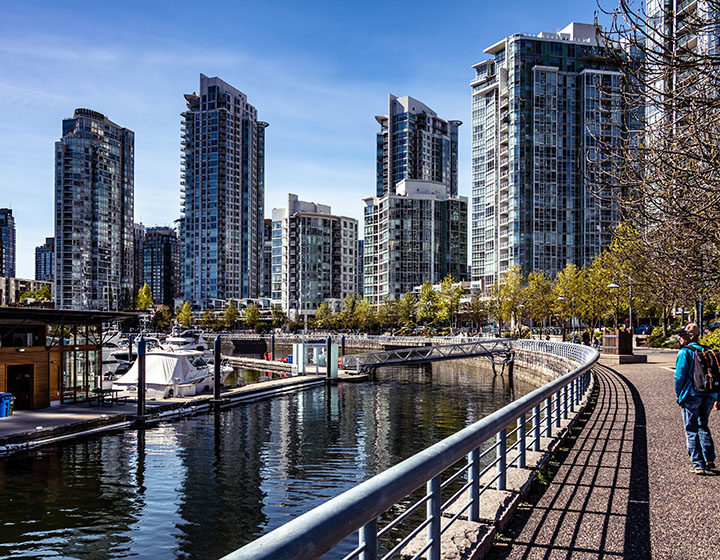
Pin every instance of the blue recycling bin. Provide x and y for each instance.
(6, 400)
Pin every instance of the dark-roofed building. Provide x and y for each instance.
(51, 356)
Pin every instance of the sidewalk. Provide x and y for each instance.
(622, 486)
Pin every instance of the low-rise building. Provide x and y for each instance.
(314, 257)
(12, 288)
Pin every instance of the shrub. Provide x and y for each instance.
(656, 338)
(712, 340)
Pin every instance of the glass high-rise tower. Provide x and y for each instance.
(7, 243)
(223, 195)
(542, 107)
(414, 143)
(94, 204)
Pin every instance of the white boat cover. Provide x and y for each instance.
(164, 368)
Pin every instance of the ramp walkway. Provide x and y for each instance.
(621, 488)
(491, 348)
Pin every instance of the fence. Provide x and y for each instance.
(455, 472)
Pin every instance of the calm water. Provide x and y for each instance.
(204, 486)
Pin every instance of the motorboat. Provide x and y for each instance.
(116, 359)
(186, 340)
(178, 373)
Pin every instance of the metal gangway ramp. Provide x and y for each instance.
(499, 351)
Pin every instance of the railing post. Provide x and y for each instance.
(473, 473)
(433, 514)
(501, 454)
(548, 417)
(565, 402)
(557, 409)
(141, 378)
(572, 395)
(536, 428)
(368, 539)
(522, 442)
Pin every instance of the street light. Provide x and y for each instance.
(613, 286)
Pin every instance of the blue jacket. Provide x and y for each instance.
(683, 373)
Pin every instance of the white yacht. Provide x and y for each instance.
(186, 340)
(179, 373)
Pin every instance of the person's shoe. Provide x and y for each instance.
(710, 465)
(698, 471)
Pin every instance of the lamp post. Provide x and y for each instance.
(572, 310)
(613, 286)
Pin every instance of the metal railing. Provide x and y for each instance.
(455, 472)
(371, 360)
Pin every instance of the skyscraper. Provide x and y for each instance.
(223, 194)
(7, 243)
(416, 225)
(314, 257)
(94, 198)
(138, 261)
(538, 106)
(45, 260)
(159, 263)
(266, 285)
(414, 143)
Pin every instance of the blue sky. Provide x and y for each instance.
(318, 72)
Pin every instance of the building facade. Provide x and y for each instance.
(416, 212)
(7, 243)
(539, 106)
(138, 262)
(414, 143)
(94, 208)
(223, 194)
(266, 285)
(314, 257)
(45, 260)
(160, 263)
(12, 288)
(414, 235)
(360, 268)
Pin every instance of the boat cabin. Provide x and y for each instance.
(51, 356)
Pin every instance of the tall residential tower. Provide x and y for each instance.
(223, 194)
(94, 190)
(7, 243)
(416, 225)
(539, 106)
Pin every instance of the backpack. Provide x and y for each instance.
(706, 370)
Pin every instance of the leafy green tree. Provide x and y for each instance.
(162, 319)
(511, 293)
(231, 315)
(43, 294)
(185, 316)
(252, 316)
(540, 299)
(448, 301)
(365, 316)
(427, 305)
(475, 310)
(347, 318)
(406, 312)
(387, 314)
(144, 299)
(210, 321)
(324, 318)
(278, 317)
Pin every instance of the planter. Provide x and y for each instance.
(617, 342)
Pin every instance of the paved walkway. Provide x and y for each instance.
(622, 487)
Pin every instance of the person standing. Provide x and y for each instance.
(696, 407)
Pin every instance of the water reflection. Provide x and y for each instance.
(204, 486)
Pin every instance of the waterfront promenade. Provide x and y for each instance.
(621, 487)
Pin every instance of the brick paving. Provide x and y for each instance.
(620, 487)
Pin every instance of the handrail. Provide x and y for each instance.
(317, 531)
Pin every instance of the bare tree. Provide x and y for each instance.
(667, 174)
